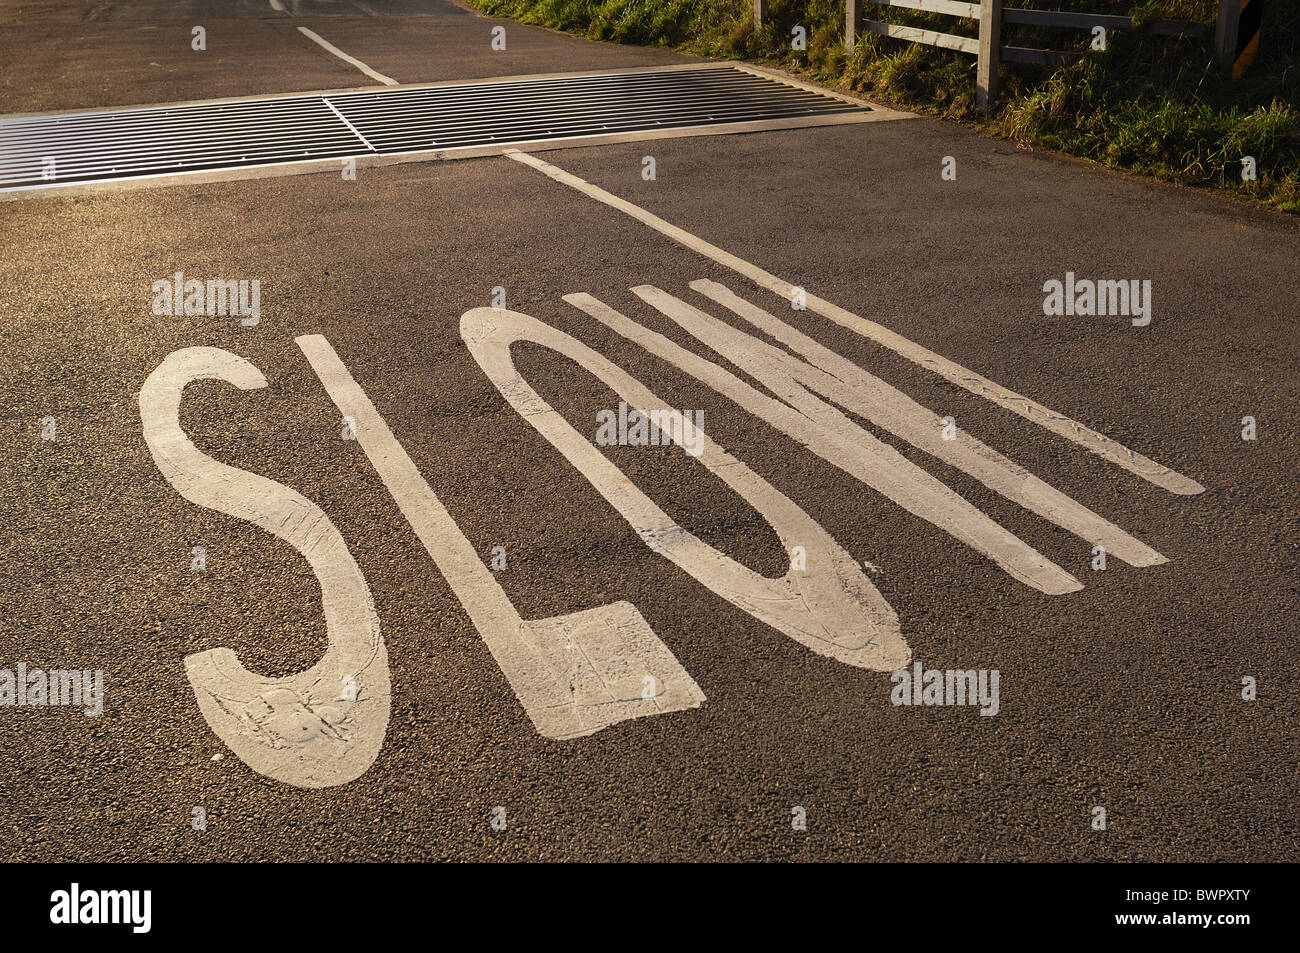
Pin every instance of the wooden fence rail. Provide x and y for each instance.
(990, 14)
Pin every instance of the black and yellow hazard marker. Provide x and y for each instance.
(1241, 42)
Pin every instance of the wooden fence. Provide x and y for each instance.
(990, 14)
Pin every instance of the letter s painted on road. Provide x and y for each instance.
(306, 729)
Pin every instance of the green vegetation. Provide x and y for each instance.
(1149, 104)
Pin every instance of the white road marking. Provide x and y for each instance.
(1048, 419)
(380, 77)
(277, 6)
(344, 119)
(574, 674)
(830, 606)
(853, 450)
(309, 730)
(868, 396)
(873, 399)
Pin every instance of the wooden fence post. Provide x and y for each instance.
(760, 14)
(853, 17)
(986, 77)
(1225, 33)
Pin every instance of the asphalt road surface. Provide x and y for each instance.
(737, 701)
